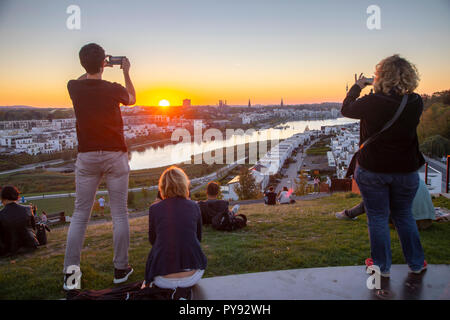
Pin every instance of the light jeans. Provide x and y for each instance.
(172, 283)
(90, 167)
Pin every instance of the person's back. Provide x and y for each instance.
(271, 198)
(97, 110)
(176, 258)
(17, 227)
(396, 149)
(284, 197)
(102, 152)
(212, 207)
(182, 218)
(386, 170)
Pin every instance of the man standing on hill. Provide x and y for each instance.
(102, 152)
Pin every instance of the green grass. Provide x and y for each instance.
(55, 205)
(319, 151)
(302, 235)
(442, 202)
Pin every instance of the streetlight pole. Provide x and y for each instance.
(446, 180)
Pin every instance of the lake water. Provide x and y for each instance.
(155, 157)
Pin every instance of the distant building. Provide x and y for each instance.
(282, 104)
(221, 103)
(249, 103)
(186, 102)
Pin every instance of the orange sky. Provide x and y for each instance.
(230, 50)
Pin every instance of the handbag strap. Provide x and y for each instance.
(389, 123)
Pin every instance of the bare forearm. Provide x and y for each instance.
(130, 88)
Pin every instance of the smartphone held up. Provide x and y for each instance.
(115, 60)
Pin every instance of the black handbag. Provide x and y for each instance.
(131, 291)
(353, 162)
(41, 233)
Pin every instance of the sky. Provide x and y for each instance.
(206, 50)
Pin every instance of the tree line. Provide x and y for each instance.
(434, 127)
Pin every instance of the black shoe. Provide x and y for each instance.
(121, 275)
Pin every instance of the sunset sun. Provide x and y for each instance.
(164, 103)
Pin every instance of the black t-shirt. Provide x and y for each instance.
(99, 121)
(396, 150)
(271, 197)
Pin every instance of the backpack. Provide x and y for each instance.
(41, 233)
(228, 222)
(131, 291)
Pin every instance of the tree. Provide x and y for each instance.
(436, 146)
(301, 185)
(246, 188)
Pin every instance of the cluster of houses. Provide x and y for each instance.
(343, 147)
(250, 117)
(37, 136)
(270, 164)
(48, 136)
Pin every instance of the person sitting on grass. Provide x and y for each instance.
(270, 197)
(212, 206)
(176, 259)
(285, 196)
(17, 224)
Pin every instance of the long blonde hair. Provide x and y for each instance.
(173, 183)
(397, 74)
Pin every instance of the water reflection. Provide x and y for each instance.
(154, 157)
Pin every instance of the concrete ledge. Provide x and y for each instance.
(332, 283)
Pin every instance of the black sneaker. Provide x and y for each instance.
(121, 275)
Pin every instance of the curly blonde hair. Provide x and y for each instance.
(396, 74)
(173, 183)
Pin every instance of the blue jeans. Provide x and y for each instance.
(393, 193)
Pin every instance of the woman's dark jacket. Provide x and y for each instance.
(17, 229)
(175, 232)
(396, 150)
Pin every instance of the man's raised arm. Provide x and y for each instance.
(128, 84)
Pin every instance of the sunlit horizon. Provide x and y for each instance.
(265, 51)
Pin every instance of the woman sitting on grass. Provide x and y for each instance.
(176, 259)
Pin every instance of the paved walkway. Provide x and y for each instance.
(329, 283)
(439, 166)
(291, 173)
(34, 166)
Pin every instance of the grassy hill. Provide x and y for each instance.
(302, 235)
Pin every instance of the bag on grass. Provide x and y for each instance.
(41, 233)
(131, 291)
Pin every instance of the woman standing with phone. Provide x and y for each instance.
(386, 170)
